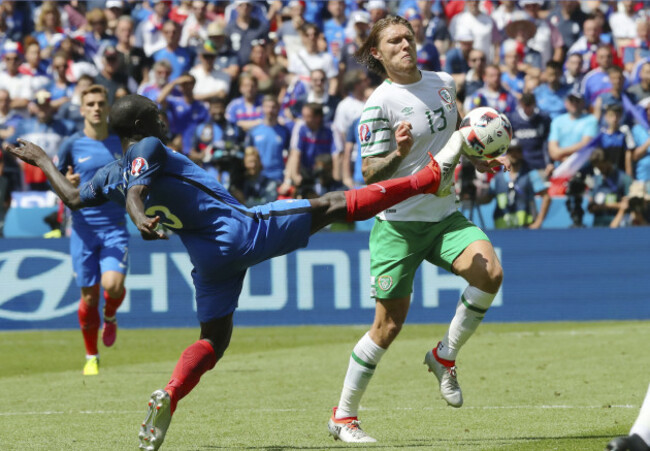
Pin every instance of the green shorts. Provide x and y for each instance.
(397, 249)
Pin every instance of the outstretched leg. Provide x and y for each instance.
(364, 203)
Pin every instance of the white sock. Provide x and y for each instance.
(470, 311)
(641, 426)
(363, 360)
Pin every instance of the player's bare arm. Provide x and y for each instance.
(376, 169)
(135, 207)
(34, 155)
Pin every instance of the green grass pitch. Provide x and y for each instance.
(562, 386)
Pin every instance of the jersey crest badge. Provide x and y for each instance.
(138, 166)
(364, 133)
(385, 282)
(445, 95)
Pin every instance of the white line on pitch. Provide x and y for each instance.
(105, 412)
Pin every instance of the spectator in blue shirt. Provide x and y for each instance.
(184, 112)
(309, 139)
(47, 132)
(550, 95)
(158, 79)
(572, 130)
(492, 94)
(257, 188)
(334, 28)
(457, 59)
(512, 78)
(597, 81)
(180, 58)
(641, 155)
(611, 185)
(616, 95)
(216, 138)
(531, 129)
(97, 37)
(616, 140)
(245, 29)
(246, 111)
(271, 140)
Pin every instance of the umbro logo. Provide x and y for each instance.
(407, 110)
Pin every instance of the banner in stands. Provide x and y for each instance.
(550, 275)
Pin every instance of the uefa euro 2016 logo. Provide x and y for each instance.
(364, 133)
(138, 166)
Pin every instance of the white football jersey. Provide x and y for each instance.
(430, 106)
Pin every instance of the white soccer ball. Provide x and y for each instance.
(487, 132)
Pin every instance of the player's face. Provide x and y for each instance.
(396, 50)
(94, 108)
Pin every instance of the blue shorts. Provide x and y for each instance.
(220, 262)
(97, 250)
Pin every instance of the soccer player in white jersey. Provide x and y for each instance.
(425, 227)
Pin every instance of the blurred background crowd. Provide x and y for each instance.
(266, 95)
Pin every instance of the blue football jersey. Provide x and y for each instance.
(223, 238)
(86, 156)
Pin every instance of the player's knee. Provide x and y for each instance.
(114, 290)
(386, 333)
(91, 299)
(492, 278)
(218, 332)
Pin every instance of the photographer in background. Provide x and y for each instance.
(218, 147)
(635, 207)
(611, 185)
(515, 193)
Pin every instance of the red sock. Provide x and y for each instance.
(445, 362)
(364, 203)
(112, 304)
(195, 360)
(89, 322)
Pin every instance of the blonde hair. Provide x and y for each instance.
(48, 7)
(94, 89)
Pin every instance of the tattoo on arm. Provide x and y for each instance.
(376, 169)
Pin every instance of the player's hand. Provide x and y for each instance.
(148, 229)
(404, 138)
(73, 177)
(26, 151)
(489, 165)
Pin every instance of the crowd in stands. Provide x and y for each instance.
(266, 95)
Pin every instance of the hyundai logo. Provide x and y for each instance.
(49, 283)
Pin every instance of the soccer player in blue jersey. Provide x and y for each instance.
(99, 239)
(223, 238)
